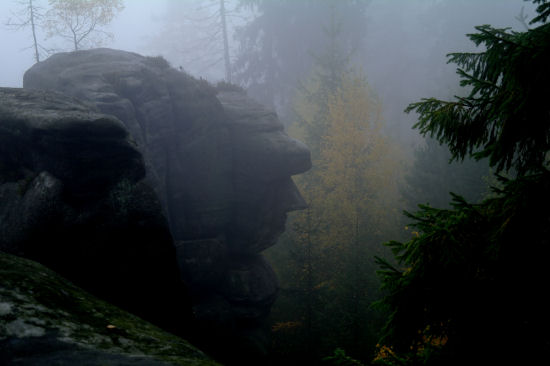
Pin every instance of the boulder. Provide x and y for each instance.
(73, 198)
(45, 320)
(220, 163)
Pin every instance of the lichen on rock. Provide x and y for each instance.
(45, 317)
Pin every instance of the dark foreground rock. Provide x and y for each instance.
(221, 166)
(45, 321)
(73, 198)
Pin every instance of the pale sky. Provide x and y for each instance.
(404, 57)
(132, 27)
(135, 29)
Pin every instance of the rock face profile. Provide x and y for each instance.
(73, 198)
(220, 165)
(45, 320)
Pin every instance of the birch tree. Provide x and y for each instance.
(81, 22)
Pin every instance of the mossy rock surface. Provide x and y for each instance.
(46, 320)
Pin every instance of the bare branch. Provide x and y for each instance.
(28, 16)
(81, 20)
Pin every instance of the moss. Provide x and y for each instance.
(40, 299)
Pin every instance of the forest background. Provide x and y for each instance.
(339, 74)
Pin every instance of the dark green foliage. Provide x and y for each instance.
(469, 287)
(543, 9)
(505, 116)
(473, 277)
(275, 47)
(432, 178)
(340, 358)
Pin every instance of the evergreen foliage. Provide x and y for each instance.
(311, 108)
(340, 358)
(325, 258)
(468, 284)
(467, 288)
(505, 116)
(275, 48)
(543, 10)
(432, 177)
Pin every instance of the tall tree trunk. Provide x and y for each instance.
(225, 42)
(35, 42)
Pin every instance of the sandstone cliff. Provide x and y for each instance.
(220, 168)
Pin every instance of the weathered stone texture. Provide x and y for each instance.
(73, 198)
(220, 164)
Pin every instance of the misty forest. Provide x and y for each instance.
(274, 182)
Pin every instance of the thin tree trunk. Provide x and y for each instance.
(225, 42)
(75, 41)
(309, 296)
(36, 54)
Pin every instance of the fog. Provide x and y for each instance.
(229, 176)
(402, 51)
(131, 28)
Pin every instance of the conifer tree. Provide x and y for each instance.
(504, 117)
(275, 47)
(431, 178)
(358, 183)
(310, 277)
(467, 288)
(351, 192)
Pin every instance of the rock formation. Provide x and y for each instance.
(45, 320)
(73, 198)
(220, 164)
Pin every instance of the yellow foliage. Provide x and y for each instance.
(81, 21)
(384, 352)
(285, 326)
(428, 340)
(358, 166)
(437, 340)
(352, 190)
